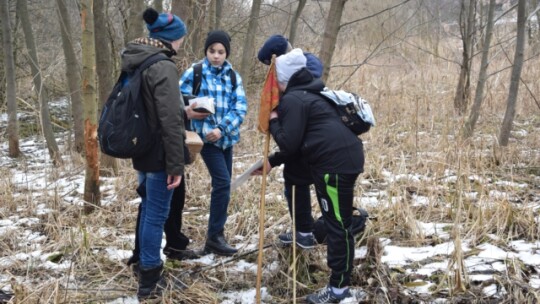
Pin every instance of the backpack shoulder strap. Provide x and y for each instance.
(233, 79)
(197, 78)
(151, 60)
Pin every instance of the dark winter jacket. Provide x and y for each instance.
(310, 125)
(164, 106)
(296, 169)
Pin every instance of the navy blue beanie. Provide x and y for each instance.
(275, 45)
(164, 26)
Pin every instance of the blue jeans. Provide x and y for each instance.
(155, 205)
(219, 164)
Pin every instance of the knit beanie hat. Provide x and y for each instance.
(218, 36)
(276, 44)
(164, 26)
(288, 64)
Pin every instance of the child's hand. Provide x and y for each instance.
(259, 171)
(192, 114)
(213, 135)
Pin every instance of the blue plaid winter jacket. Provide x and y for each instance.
(230, 106)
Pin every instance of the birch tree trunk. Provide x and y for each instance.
(510, 113)
(247, 55)
(73, 75)
(104, 73)
(294, 21)
(468, 128)
(463, 90)
(331, 32)
(9, 64)
(91, 182)
(46, 125)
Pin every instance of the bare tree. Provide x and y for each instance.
(91, 183)
(467, 25)
(294, 21)
(73, 75)
(219, 13)
(211, 16)
(9, 63)
(188, 11)
(104, 70)
(135, 25)
(331, 32)
(158, 5)
(508, 120)
(468, 128)
(247, 55)
(46, 125)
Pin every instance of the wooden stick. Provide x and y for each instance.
(294, 241)
(261, 219)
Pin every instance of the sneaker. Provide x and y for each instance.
(306, 242)
(326, 295)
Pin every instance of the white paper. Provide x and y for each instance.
(244, 177)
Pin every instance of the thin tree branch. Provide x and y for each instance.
(371, 16)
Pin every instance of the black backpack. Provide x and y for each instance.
(357, 227)
(123, 130)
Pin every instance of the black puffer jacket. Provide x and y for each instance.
(164, 106)
(310, 125)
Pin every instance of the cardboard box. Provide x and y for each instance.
(194, 144)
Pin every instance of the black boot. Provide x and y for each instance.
(180, 255)
(218, 245)
(151, 283)
(133, 263)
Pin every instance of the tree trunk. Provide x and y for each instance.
(91, 183)
(184, 9)
(468, 128)
(104, 73)
(294, 21)
(9, 63)
(219, 13)
(46, 125)
(73, 75)
(463, 89)
(135, 21)
(211, 20)
(158, 6)
(331, 31)
(506, 126)
(247, 55)
(198, 37)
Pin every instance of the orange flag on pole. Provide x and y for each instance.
(269, 97)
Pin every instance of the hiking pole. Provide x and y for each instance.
(294, 241)
(261, 219)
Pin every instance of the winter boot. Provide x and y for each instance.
(151, 283)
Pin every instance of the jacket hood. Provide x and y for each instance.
(304, 80)
(135, 53)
